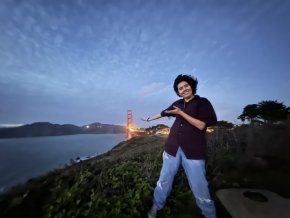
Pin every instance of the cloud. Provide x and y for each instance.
(152, 89)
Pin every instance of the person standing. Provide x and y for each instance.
(186, 146)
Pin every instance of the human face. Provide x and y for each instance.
(184, 90)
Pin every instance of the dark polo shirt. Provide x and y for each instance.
(182, 134)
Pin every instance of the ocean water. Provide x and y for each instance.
(24, 158)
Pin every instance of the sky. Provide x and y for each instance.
(84, 61)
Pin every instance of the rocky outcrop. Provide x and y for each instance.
(254, 203)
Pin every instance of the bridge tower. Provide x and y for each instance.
(129, 122)
(129, 118)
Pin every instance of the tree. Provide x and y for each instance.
(272, 111)
(250, 113)
(265, 111)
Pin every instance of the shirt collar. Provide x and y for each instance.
(193, 99)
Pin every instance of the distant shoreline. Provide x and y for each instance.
(24, 137)
(49, 129)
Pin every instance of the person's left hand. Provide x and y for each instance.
(175, 111)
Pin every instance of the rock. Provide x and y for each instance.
(253, 203)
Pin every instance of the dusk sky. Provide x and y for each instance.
(84, 61)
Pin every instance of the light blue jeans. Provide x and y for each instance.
(195, 172)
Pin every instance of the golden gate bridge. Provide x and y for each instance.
(131, 129)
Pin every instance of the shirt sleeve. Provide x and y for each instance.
(206, 113)
(164, 114)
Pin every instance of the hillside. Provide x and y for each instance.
(120, 183)
(92, 181)
(49, 129)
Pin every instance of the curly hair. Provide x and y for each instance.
(192, 81)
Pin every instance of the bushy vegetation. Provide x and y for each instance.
(120, 192)
(250, 156)
(265, 112)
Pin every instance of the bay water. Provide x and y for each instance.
(24, 158)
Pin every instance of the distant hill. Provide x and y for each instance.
(96, 128)
(49, 129)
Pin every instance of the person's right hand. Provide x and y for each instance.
(143, 119)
